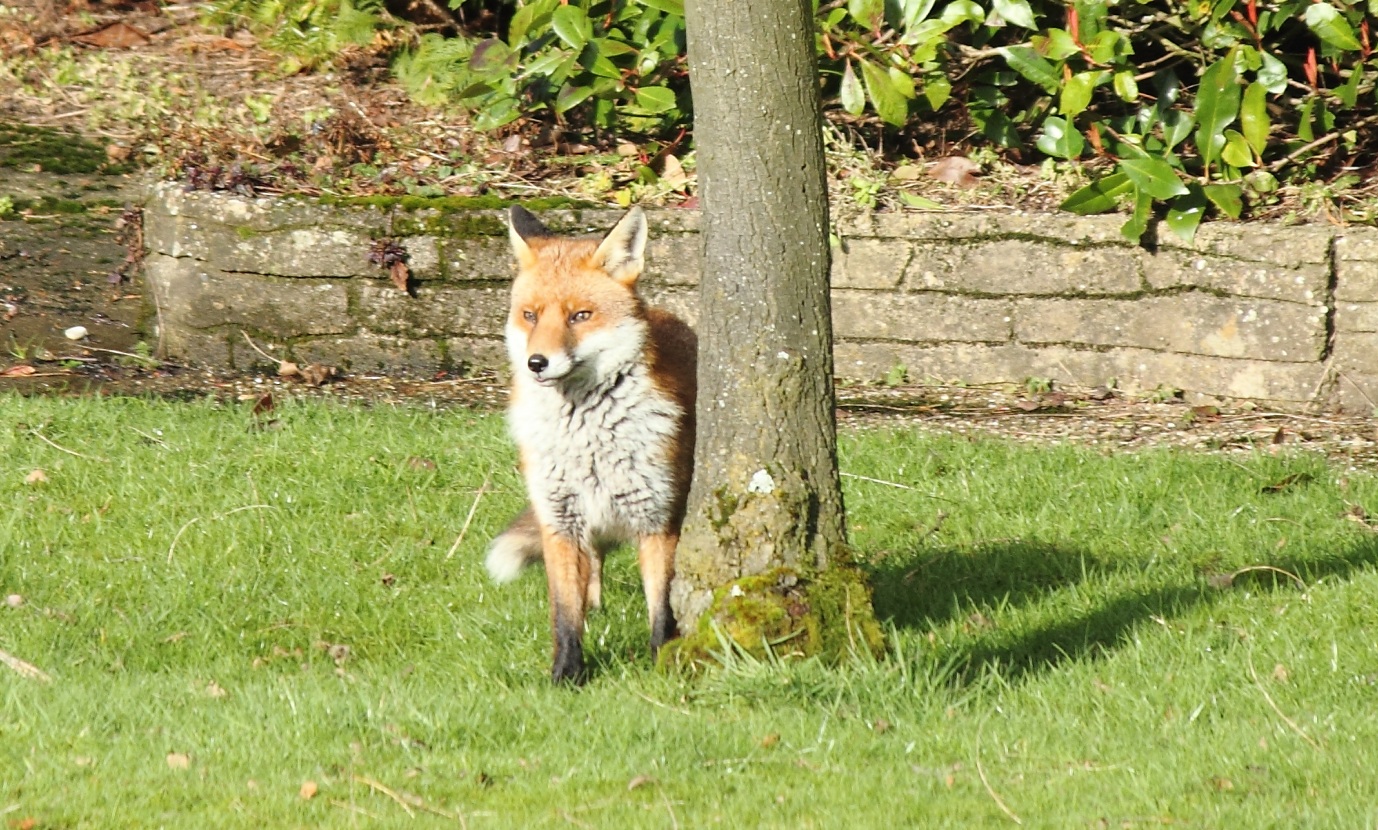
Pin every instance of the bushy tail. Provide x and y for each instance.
(515, 548)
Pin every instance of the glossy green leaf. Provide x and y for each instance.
(1125, 85)
(914, 12)
(1077, 91)
(1017, 12)
(915, 201)
(1253, 117)
(962, 11)
(1057, 45)
(1153, 176)
(1272, 73)
(868, 14)
(675, 7)
(1031, 65)
(1060, 139)
(1304, 131)
(1137, 224)
(532, 15)
(1348, 92)
(1236, 152)
(902, 81)
(1331, 27)
(570, 96)
(1217, 105)
(1185, 212)
(889, 102)
(1226, 197)
(1177, 126)
(572, 25)
(593, 59)
(851, 93)
(1100, 196)
(655, 99)
(936, 90)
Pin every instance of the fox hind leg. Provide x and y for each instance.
(656, 555)
(568, 571)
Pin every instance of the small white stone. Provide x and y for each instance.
(737, 591)
(75, 333)
(761, 482)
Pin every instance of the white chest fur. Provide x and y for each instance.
(598, 464)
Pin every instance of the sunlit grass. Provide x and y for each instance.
(230, 607)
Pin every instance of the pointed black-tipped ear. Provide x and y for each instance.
(622, 251)
(521, 226)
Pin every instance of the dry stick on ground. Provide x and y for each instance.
(45, 439)
(255, 347)
(981, 771)
(405, 801)
(24, 668)
(190, 522)
(1290, 723)
(483, 488)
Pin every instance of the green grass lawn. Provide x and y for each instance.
(230, 611)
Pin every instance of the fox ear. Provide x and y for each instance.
(521, 226)
(622, 251)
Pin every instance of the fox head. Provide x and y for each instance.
(576, 319)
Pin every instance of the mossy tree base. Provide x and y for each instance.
(785, 612)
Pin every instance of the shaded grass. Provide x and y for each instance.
(275, 605)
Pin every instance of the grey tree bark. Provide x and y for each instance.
(766, 493)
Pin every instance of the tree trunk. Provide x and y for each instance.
(766, 497)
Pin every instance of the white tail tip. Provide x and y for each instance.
(507, 555)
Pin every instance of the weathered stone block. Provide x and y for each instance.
(1356, 265)
(674, 259)
(678, 300)
(196, 297)
(870, 263)
(1296, 282)
(485, 258)
(1286, 246)
(370, 353)
(1185, 323)
(1356, 317)
(298, 252)
(436, 310)
(476, 353)
(1355, 365)
(1017, 266)
(919, 318)
(1058, 228)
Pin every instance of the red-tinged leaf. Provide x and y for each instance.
(264, 404)
(308, 790)
(18, 371)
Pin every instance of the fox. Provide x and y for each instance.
(602, 413)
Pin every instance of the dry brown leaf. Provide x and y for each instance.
(770, 740)
(18, 371)
(215, 690)
(400, 274)
(958, 170)
(672, 172)
(308, 790)
(640, 781)
(287, 369)
(317, 375)
(264, 404)
(417, 462)
(178, 760)
(14, 601)
(1280, 673)
(118, 35)
(36, 477)
(23, 667)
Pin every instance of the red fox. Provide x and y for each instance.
(602, 411)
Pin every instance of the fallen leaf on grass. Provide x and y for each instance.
(19, 371)
(36, 477)
(316, 375)
(308, 790)
(263, 405)
(178, 760)
(14, 601)
(24, 668)
(117, 35)
(770, 740)
(640, 781)
(287, 369)
(25, 823)
(956, 170)
(215, 690)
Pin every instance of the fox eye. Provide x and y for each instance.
(529, 316)
(580, 316)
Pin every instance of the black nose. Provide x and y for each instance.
(537, 363)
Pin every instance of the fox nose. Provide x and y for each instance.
(537, 363)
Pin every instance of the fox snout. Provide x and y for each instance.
(548, 368)
(537, 363)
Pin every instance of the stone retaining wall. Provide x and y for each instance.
(1287, 316)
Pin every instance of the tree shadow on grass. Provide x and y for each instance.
(927, 590)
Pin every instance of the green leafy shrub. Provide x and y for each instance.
(598, 63)
(308, 33)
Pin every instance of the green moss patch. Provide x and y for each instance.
(52, 151)
(782, 612)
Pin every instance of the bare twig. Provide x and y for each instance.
(1290, 723)
(483, 488)
(255, 347)
(45, 439)
(878, 481)
(981, 771)
(24, 668)
(378, 786)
